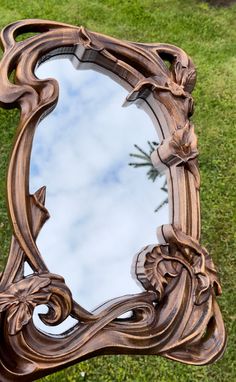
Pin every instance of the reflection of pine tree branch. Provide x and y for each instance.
(164, 187)
(152, 173)
(145, 158)
(161, 205)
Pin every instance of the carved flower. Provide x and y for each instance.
(176, 89)
(184, 142)
(186, 76)
(20, 299)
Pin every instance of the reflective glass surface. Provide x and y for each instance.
(102, 209)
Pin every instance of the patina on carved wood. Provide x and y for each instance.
(177, 315)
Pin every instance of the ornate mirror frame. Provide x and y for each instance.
(177, 315)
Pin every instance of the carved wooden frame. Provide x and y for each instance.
(177, 315)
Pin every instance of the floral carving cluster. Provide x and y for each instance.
(162, 263)
(20, 299)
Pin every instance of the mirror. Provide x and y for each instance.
(103, 210)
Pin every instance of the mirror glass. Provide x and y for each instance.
(102, 208)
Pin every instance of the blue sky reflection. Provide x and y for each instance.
(102, 210)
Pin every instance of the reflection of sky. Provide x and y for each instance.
(102, 210)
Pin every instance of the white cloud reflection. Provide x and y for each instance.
(102, 210)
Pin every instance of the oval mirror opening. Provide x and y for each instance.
(103, 210)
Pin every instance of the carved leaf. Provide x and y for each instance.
(156, 269)
(206, 277)
(192, 166)
(212, 272)
(18, 316)
(38, 210)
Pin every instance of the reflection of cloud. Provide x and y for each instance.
(101, 208)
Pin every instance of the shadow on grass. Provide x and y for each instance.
(220, 3)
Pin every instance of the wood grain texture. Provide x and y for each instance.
(177, 315)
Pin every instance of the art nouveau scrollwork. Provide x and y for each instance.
(177, 315)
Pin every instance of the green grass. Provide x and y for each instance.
(207, 34)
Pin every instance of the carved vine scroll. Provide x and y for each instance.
(177, 315)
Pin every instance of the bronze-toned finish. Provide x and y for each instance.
(177, 315)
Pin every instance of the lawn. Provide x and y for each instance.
(208, 35)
